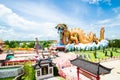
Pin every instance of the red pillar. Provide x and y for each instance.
(98, 77)
(78, 73)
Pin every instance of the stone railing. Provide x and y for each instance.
(18, 77)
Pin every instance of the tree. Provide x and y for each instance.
(46, 43)
(31, 44)
(24, 45)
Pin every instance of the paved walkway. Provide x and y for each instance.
(115, 72)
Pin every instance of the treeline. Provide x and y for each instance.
(114, 43)
(31, 44)
(26, 44)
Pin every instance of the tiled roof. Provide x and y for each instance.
(90, 66)
(43, 61)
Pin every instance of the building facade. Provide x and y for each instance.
(44, 69)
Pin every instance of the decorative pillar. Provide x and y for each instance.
(78, 73)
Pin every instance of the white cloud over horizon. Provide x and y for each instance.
(16, 21)
(23, 28)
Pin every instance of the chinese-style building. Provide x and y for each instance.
(89, 69)
(44, 69)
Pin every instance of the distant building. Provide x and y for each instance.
(2, 58)
(1, 46)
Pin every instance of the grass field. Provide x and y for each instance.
(11, 78)
(60, 78)
(100, 54)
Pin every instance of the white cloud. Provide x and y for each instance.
(112, 22)
(29, 28)
(42, 29)
(23, 29)
(97, 1)
(104, 21)
(44, 12)
(92, 1)
(4, 11)
(112, 27)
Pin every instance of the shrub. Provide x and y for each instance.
(29, 72)
(111, 54)
(95, 54)
(56, 71)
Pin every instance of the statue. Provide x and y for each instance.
(102, 30)
(76, 35)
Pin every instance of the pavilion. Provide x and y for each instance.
(89, 69)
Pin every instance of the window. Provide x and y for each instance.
(38, 73)
(44, 70)
(50, 70)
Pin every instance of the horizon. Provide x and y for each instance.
(26, 19)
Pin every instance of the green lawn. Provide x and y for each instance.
(100, 54)
(11, 78)
(60, 78)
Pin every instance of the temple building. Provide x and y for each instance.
(44, 69)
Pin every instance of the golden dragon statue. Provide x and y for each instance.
(77, 35)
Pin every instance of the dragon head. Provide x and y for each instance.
(61, 27)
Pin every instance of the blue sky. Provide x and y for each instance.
(27, 19)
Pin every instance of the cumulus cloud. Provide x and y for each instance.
(29, 28)
(22, 28)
